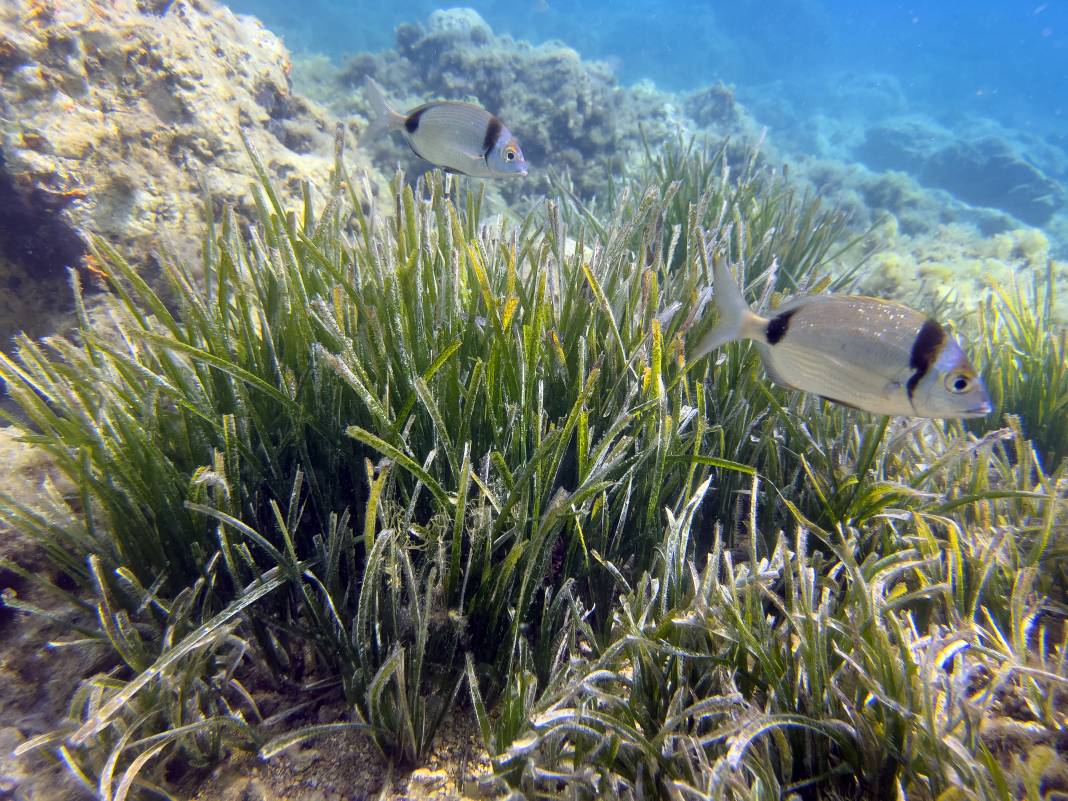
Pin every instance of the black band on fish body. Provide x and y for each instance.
(925, 350)
(778, 326)
(493, 132)
(411, 124)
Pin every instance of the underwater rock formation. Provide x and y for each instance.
(37, 243)
(868, 197)
(569, 114)
(714, 106)
(989, 172)
(34, 685)
(116, 117)
(986, 171)
(950, 263)
(825, 115)
(903, 143)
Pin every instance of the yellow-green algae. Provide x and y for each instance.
(956, 266)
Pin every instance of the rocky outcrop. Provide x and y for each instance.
(714, 107)
(570, 115)
(116, 118)
(951, 264)
(985, 171)
(990, 172)
(868, 197)
(903, 143)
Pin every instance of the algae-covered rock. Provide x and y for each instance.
(903, 143)
(987, 170)
(35, 680)
(116, 117)
(951, 263)
(570, 115)
(714, 106)
(990, 172)
(37, 243)
(869, 197)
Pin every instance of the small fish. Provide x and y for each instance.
(871, 354)
(458, 137)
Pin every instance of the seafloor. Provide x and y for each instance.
(122, 118)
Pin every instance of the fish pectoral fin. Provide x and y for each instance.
(467, 152)
(773, 373)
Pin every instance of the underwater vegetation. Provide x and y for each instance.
(396, 453)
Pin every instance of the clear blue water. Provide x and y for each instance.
(1006, 59)
(989, 77)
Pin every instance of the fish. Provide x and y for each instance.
(458, 137)
(875, 355)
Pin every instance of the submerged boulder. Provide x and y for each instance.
(714, 106)
(570, 114)
(985, 171)
(117, 118)
(989, 172)
(903, 143)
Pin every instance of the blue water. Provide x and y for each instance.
(1006, 59)
(986, 80)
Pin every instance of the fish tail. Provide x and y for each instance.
(736, 319)
(385, 118)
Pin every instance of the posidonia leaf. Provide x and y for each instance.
(715, 461)
(286, 741)
(194, 640)
(405, 461)
(218, 362)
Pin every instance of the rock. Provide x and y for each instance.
(37, 244)
(464, 22)
(988, 172)
(570, 115)
(903, 143)
(32, 776)
(866, 196)
(116, 117)
(953, 263)
(713, 106)
(915, 209)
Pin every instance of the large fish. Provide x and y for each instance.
(874, 355)
(459, 137)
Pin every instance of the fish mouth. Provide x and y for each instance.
(981, 410)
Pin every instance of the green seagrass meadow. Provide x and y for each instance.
(435, 463)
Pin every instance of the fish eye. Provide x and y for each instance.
(959, 382)
(510, 154)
